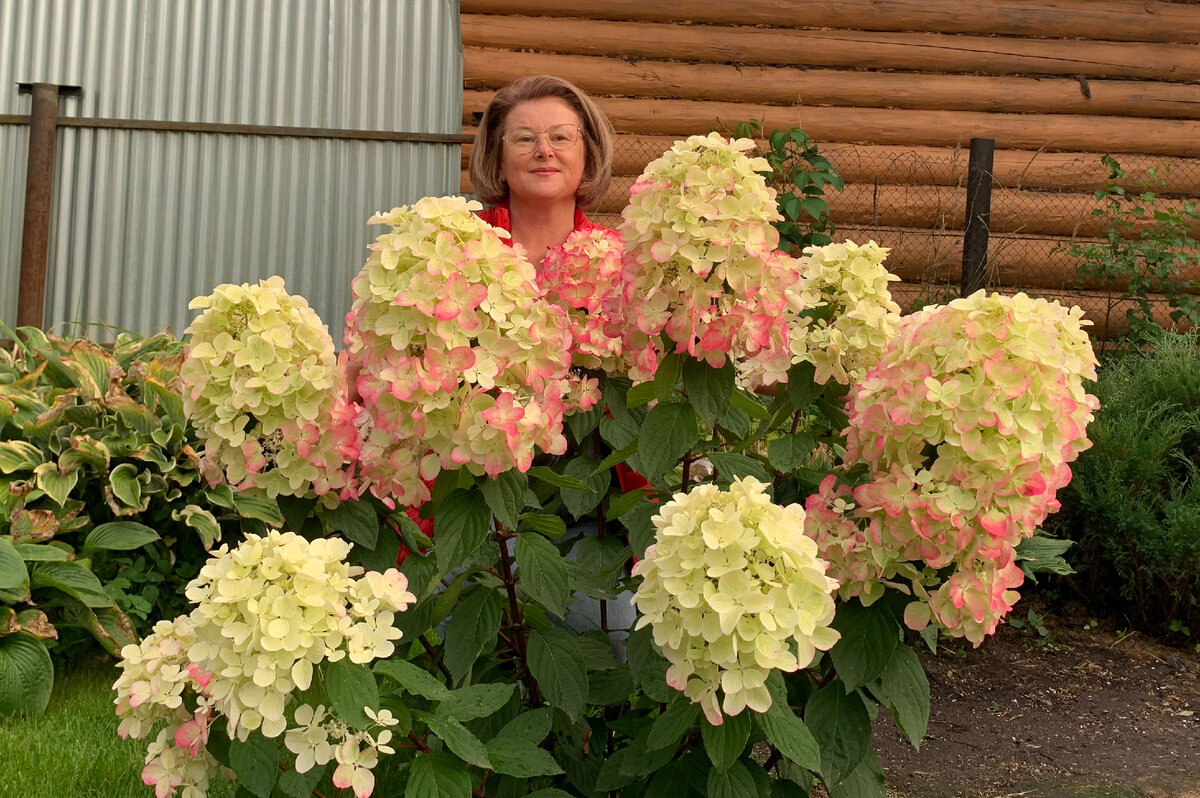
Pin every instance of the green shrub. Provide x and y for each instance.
(104, 516)
(1137, 259)
(1133, 507)
(800, 174)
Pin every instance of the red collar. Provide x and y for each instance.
(499, 216)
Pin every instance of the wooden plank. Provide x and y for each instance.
(947, 166)
(485, 68)
(1053, 132)
(1114, 20)
(852, 49)
(1013, 210)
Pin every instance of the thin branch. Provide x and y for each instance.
(514, 615)
(436, 659)
(419, 742)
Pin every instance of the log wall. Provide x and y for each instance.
(892, 91)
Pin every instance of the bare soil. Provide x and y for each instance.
(1088, 710)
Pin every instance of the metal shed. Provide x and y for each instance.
(222, 141)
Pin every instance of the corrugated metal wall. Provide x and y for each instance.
(145, 220)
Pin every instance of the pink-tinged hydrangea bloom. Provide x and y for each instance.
(266, 613)
(583, 276)
(266, 394)
(702, 263)
(733, 589)
(845, 338)
(967, 425)
(460, 355)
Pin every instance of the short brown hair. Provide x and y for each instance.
(597, 138)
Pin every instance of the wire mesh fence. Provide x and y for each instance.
(1043, 209)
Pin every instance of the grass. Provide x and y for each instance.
(72, 751)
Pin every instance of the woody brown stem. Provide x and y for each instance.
(516, 621)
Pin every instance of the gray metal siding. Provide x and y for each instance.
(145, 220)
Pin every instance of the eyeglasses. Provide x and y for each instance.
(559, 137)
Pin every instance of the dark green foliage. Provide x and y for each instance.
(1145, 251)
(104, 516)
(800, 174)
(1133, 507)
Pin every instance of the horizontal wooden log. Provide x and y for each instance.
(1030, 263)
(485, 68)
(1063, 214)
(1055, 171)
(930, 52)
(947, 166)
(1103, 313)
(1053, 132)
(1116, 20)
(1012, 210)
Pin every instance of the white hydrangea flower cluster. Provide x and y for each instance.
(266, 613)
(702, 260)
(262, 386)
(462, 361)
(312, 741)
(733, 589)
(846, 335)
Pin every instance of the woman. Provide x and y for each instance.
(543, 152)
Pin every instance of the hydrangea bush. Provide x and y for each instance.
(773, 551)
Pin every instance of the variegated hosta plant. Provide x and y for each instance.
(103, 515)
(811, 466)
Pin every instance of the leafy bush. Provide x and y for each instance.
(1145, 251)
(1134, 505)
(103, 515)
(801, 175)
(514, 665)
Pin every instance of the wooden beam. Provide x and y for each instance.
(1053, 132)
(485, 68)
(852, 49)
(1113, 20)
(947, 166)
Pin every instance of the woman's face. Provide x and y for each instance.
(545, 173)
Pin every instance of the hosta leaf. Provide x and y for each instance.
(71, 578)
(26, 675)
(125, 485)
(119, 536)
(201, 520)
(19, 456)
(256, 504)
(14, 576)
(57, 485)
